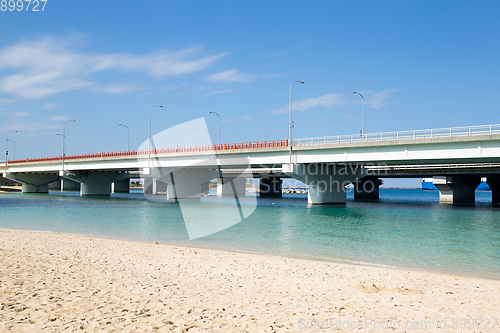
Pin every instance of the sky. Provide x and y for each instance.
(418, 64)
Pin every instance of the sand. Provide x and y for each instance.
(53, 282)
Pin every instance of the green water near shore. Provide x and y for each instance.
(405, 228)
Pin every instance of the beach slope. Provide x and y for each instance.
(53, 282)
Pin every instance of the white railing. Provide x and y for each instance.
(403, 135)
(420, 167)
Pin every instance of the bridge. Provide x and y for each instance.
(457, 158)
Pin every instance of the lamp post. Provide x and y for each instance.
(64, 142)
(6, 148)
(149, 135)
(128, 135)
(219, 124)
(363, 114)
(14, 147)
(290, 122)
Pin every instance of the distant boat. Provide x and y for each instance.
(428, 185)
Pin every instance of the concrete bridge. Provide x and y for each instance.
(456, 157)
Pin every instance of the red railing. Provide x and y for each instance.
(216, 147)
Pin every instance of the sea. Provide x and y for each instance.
(405, 228)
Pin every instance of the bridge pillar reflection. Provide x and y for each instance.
(457, 189)
(33, 182)
(494, 183)
(367, 188)
(270, 187)
(327, 182)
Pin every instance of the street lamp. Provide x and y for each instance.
(128, 135)
(149, 135)
(291, 124)
(363, 115)
(64, 142)
(14, 147)
(6, 148)
(219, 123)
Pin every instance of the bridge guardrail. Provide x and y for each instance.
(402, 135)
(189, 149)
(371, 137)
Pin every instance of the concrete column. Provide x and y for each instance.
(148, 185)
(234, 186)
(69, 185)
(55, 185)
(326, 182)
(33, 182)
(95, 183)
(28, 188)
(270, 187)
(494, 183)
(457, 189)
(205, 189)
(367, 188)
(121, 186)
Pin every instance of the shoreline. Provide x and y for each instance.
(333, 260)
(51, 281)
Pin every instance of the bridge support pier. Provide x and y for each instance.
(95, 183)
(205, 189)
(271, 187)
(121, 186)
(326, 182)
(234, 186)
(457, 189)
(494, 183)
(70, 185)
(367, 188)
(64, 185)
(55, 185)
(33, 182)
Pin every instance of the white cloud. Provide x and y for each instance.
(216, 92)
(49, 105)
(29, 126)
(6, 100)
(59, 118)
(244, 117)
(49, 66)
(325, 101)
(231, 76)
(378, 100)
(20, 114)
(115, 89)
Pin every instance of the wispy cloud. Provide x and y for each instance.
(216, 92)
(378, 100)
(49, 66)
(231, 76)
(325, 101)
(115, 89)
(7, 101)
(244, 117)
(59, 118)
(20, 114)
(49, 106)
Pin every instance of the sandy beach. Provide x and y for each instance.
(65, 283)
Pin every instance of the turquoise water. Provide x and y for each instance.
(405, 228)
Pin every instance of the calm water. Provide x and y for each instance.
(405, 228)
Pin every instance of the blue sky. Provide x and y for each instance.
(419, 64)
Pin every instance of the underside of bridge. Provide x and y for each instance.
(33, 182)
(96, 183)
(327, 182)
(457, 189)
